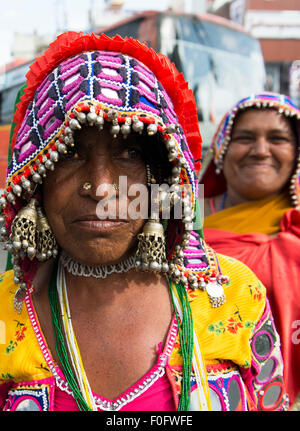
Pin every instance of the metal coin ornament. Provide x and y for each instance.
(215, 292)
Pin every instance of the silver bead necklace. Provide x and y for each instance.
(76, 268)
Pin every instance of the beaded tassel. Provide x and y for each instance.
(60, 343)
(185, 329)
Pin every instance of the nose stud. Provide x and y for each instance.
(87, 186)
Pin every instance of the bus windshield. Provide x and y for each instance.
(221, 64)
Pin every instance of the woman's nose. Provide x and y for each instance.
(261, 147)
(101, 176)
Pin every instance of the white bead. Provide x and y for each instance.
(3, 201)
(99, 122)
(42, 170)
(91, 117)
(31, 252)
(26, 183)
(170, 145)
(155, 266)
(115, 129)
(137, 125)
(125, 129)
(74, 124)
(151, 129)
(49, 165)
(37, 178)
(62, 148)
(17, 189)
(11, 198)
(54, 156)
(81, 116)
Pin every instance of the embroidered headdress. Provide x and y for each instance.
(90, 80)
(212, 176)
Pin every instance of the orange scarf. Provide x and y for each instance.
(261, 216)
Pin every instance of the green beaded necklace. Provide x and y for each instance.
(185, 329)
(60, 342)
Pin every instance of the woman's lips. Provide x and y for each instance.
(93, 223)
(259, 166)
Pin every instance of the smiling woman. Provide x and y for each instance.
(124, 312)
(260, 158)
(252, 205)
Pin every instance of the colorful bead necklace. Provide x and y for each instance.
(60, 343)
(66, 345)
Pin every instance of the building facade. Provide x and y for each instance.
(276, 23)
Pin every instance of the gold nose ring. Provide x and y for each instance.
(87, 186)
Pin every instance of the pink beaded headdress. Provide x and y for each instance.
(212, 176)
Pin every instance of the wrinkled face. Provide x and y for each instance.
(261, 156)
(80, 190)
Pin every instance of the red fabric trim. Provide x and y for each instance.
(172, 381)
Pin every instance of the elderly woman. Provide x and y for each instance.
(105, 309)
(252, 213)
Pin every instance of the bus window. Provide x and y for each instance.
(221, 64)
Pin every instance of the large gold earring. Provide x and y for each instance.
(46, 242)
(151, 253)
(23, 230)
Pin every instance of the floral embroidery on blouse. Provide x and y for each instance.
(232, 325)
(256, 292)
(19, 336)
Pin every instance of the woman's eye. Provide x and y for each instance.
(131, 154)
(242, 139)
(280, 139)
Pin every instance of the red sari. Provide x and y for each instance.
(276, 262)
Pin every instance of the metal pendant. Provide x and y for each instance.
(215, 293)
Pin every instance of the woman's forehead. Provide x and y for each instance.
(267, 119)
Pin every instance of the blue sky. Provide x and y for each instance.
(25, 16)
